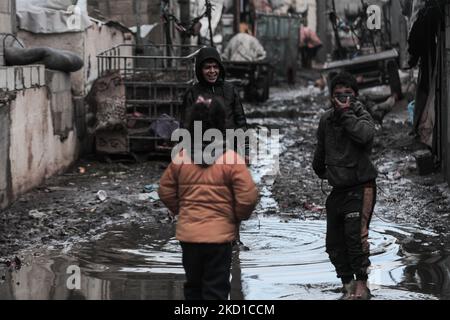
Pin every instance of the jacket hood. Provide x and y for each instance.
(204, 54)
(208, 159)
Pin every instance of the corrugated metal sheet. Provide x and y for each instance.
(279, 37)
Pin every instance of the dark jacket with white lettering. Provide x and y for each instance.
(344, 146)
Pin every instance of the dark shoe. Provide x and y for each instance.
(239, 245)
(361, 292)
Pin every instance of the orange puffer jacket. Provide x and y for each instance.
(210, 200)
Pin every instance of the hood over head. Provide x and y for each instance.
(208, 53)
(211, 116)
(216, 149)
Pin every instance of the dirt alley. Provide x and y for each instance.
(66, 209)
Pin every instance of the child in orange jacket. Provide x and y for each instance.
(210, 198)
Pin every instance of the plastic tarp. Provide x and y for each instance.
(244, 47)
(52, 16)
(164, 126)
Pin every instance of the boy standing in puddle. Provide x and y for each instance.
(342, 156)
(211, 196)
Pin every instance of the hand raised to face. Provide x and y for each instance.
(343, 97)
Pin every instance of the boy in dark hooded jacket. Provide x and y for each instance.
(211, 83)
(342, 156)
(210, 74)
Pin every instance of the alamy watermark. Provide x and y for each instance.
(373, 17)
(74, 280)
(207, 147)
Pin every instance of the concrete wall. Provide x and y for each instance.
(61, 104)
(38, 137)
(96, 39)
(7, 22)
(124, 11)
(99, 39)
(69, 41)
(7, 18)
(5, 179)
(42, 112)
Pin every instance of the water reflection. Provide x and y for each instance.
(298, 267)
(287, 260)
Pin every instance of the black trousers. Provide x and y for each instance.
(349, 213)
(307, 55)
(207, 268)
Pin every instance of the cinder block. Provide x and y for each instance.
(34, 75)
(7, 81)
(27, 77)
(41, 76)
(10, 79)
(3, 81)
(18, 78)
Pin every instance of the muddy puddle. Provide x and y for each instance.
(286, 260)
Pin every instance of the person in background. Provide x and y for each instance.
(211, 83)
(309, 45)
(244, 47)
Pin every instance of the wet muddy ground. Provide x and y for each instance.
(125, 248)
